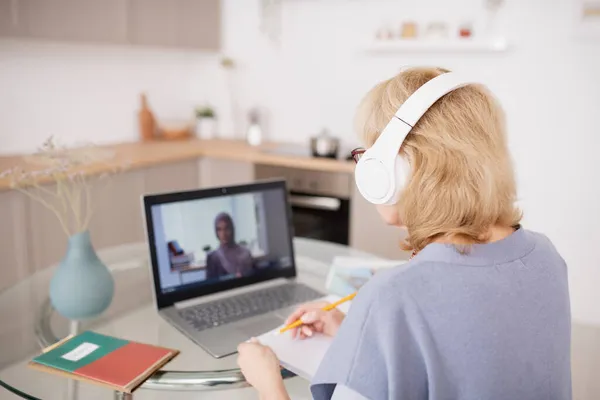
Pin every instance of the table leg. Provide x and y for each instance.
(73, 385)
(74, 327)
(72, 389)
(123, 396)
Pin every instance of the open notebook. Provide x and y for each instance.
(301, 357)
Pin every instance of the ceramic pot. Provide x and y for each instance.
(82, 286)
(324, 145)
(206, 128)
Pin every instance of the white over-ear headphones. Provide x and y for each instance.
(381, 173)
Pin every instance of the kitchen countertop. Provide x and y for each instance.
(144, 154)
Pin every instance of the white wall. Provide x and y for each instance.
(91, 93)
(548, 83)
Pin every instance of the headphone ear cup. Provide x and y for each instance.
(401, 176)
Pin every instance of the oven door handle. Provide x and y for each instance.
(316, 202)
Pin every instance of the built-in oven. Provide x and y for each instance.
(320, 201)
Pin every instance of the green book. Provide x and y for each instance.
(117, 363)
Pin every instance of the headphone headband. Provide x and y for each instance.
(411, 111)
(381, 173)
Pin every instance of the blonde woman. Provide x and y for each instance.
(482, 309)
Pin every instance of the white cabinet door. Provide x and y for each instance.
(152, 22)
(11, 19)
(117, 219)
(76, 20)
(215, 172)
(198, 24)
(173, 177)
(118, 212)
(192, 24)
(14, 260)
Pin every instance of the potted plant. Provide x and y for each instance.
(205, 123)
(82, 287)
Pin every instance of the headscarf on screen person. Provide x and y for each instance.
(229, 258)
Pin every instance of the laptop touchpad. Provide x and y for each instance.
(259, 326)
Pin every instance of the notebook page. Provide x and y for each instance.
(302, 357)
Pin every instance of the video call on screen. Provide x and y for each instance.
(214, 239)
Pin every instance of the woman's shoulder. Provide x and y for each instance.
(391, 287)
(543, 249)
(401, 276)
(541, 240)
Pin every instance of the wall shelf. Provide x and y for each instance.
(495, 45)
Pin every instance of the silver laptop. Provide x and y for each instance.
(223, 262)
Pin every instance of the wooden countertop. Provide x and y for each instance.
(144, 154)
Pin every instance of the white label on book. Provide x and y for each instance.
(80, 351)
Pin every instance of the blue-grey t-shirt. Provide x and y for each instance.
(491, 324)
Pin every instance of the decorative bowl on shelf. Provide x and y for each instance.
(175, 130)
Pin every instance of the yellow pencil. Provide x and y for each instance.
(328, 307)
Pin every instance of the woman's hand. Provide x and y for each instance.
(260, 367)
(315, 320)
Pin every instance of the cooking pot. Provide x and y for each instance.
(324, 145)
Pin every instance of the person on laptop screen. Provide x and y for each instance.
(229, 258)
(481, 311)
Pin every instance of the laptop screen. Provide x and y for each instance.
(204, 240)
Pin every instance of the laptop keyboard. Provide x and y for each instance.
(231, 309)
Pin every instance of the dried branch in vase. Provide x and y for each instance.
(73, 173)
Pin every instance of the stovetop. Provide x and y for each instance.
(299, 151)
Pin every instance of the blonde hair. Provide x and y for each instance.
(462, 181)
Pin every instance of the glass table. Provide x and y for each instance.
(28, 323)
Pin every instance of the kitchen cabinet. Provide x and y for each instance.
(75, 20)
(117, 219)
(217, 172)
(199, 24)
(172, 177)
(118, 211)
(15, 312)
(47, 241)
(31, 237)
(153, 22)
(176, 23)
(369, 233)
(191, 24)
(14, 260)
(11, 20)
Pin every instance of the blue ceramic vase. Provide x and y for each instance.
(82, 286)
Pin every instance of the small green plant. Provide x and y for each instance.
(205, 112)
(227, 63)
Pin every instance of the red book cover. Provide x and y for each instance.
(120, 364)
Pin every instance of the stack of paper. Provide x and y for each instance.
(348, 274)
